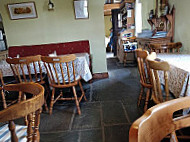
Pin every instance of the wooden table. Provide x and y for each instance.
(179, 74)
(81, 66)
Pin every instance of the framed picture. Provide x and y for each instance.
(23, 10)
(81, 9)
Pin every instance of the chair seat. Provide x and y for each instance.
(21, 132)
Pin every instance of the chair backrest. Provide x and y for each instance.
(2, 91)
(166, 48)
(163, 67)
(27, 69)
(60, 70)
(158, 121)
(1, 78)
(25, 108)
(143, 66)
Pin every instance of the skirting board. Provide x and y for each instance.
(100, 75)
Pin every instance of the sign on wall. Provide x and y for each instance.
(81, 9)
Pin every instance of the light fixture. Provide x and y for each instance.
(50, 5)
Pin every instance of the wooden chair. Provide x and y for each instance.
(1, 89)
(166, 48)
(159, 95)
(28, 69)
(24, 108)
(6, 101)
(158, 122)
(61, 73)
(144, 76)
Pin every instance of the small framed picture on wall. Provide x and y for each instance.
(81, 9)
(22, 10)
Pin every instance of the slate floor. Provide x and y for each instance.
(106, 116)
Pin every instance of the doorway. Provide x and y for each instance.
(108, 36)
(3, 41)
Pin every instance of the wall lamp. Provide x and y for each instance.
(50, 5)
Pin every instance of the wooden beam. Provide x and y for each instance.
(109, 7)
(107, 13)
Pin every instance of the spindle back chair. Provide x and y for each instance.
(159, 95)
(7, 98)
(158, 122)
(144, 72)
(29, 69)
(61, 73)
(32, 105)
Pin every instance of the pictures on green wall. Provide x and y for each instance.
(23, 10)
(81, 9)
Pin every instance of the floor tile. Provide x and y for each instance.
(113, 113)
(89, 118)
(118, 133)
(58, 121)
(91, 136)
(59, 137)
(133, 112)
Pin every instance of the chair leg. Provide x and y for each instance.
(45, 104)
(52, 101)
(83, 94)
(12, 130)
(45, 98)
(19, 96)
(147, 99)
(140, 96)
(76, 100)
(3, 99)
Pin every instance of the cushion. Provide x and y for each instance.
(21, 132)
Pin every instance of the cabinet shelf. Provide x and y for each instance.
(127, 11)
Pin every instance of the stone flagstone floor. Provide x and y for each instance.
(106, 116)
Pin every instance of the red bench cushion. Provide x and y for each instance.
(46, 49)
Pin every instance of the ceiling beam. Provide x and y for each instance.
(109, 7)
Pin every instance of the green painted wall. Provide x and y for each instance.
(108, 25)
(147, 5)
(59, 26)
(182, 22)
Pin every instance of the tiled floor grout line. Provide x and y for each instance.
(79, 130)
(88, 102)
(72, 119)
(126, 114)
(108, 125)
(102, 123)
(79, 138)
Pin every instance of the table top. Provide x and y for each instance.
(179, 73)
(179, 60)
